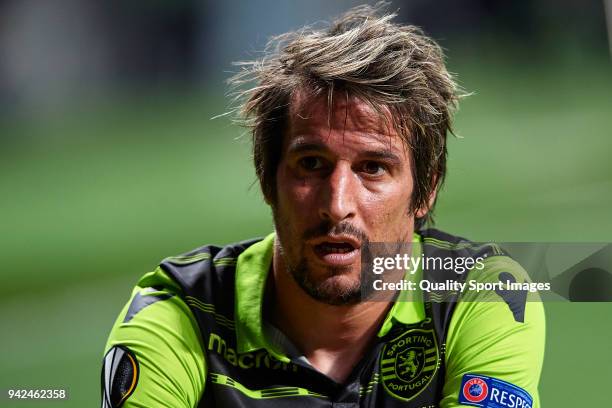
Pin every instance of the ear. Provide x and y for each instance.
(267, 200)
(267, 195)
(421, 212)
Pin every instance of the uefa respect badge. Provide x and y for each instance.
(483, 391)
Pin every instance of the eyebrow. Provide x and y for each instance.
(383, 155)
(301, 147)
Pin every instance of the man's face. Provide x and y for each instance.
(344, 180)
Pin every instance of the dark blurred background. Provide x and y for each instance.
(110, 161)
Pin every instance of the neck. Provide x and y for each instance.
(333, 338)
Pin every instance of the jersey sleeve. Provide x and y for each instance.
(495, 334)
(153, 356)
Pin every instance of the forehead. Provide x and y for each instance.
(312, 116)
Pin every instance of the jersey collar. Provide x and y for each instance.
(252, 270)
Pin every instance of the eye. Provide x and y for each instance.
(373, 168)
(311, 163)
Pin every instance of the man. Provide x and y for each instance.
(349, 132)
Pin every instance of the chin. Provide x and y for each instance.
(337, 288)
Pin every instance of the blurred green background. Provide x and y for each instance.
(99, 183)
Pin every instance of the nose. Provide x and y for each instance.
(338, 195)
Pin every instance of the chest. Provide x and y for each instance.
(403, 369)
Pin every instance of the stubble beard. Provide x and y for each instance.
(336, 286)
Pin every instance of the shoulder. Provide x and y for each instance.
(436, 241)
(153, 355)
(493, 279)
(160, 297)
(495, 331)
(206, 266)
(156, 342)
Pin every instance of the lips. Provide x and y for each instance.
(336, 250)
(335, 247)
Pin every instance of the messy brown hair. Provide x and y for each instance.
(394, 68)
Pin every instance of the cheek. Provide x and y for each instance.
(295, 196)
(387, 212)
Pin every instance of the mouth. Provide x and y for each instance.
(337, 250)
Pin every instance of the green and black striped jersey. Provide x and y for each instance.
(193, 334)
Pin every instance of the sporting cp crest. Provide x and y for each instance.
(408, 363)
